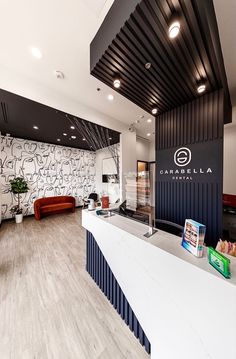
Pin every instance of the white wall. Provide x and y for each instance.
(128, 160)
(152, 155)
(112, 189)
(145, 149)
(142, 149)
(230, 156)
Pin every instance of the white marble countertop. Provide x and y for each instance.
(186, 308)
(168, 243)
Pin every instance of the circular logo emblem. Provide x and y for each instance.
(182, 156)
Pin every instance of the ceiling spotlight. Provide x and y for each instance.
(201, 88)
(149, 120)
(72, 127)
(174, 29)
(110, 97)
(58, 140)
(148, 65)
(110, 138)
(35, 127)
(36, 52)
(73, 137)
(84, 139)
(116, 83)
(64, 134)
(148, 134)
(154, 111)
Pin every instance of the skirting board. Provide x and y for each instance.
(99, 270)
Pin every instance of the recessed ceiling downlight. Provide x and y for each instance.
(36, 52)
(58, 140)
(110, 97)
(149, 120)
(64, 134)
(174, 29)
(73, 137)
(35, 127)
(201, 88)
(148, 65)
(72, 127)
(154, 111)
(116, 83)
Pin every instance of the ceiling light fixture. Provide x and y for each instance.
(174, 29)
(36, 52)
(148, 134)
(116, 83)
(149, 120)
(110, 138)
(110, 97)
(154, 111)
(35, 127)
(64, 134)
(84, 139)
(58, 140)
(73, 137)
(72, 127)
(148, 65)
(201, 88)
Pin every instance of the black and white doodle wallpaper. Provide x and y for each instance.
(50, 170)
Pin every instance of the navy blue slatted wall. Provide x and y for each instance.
(97, 267)
(198, 122)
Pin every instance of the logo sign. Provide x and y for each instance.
(195, 163)
(182, 156)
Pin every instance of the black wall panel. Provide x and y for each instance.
(196, 125)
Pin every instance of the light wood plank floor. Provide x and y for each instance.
(50, 308)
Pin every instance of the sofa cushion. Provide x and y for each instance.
(55, 207)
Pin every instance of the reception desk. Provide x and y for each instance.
(183, 305)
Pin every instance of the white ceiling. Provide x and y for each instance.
(225, 13)
(62, 30)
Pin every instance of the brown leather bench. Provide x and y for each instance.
(49, 205)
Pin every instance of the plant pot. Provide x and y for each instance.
(19, 218)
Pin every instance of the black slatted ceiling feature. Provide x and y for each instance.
(18, 116)
(178, 65)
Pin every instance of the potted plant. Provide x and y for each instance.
(18, 186)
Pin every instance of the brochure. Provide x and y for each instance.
(193, 237)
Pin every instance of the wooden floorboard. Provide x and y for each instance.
(50, 308)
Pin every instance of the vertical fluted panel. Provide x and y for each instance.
(197, 122)
(101, 273)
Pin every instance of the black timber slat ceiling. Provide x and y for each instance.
(19, 115)
(178, 65)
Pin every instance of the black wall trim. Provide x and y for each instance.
(99, 270)
(197, 125)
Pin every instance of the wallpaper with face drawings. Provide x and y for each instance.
(50, 170)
